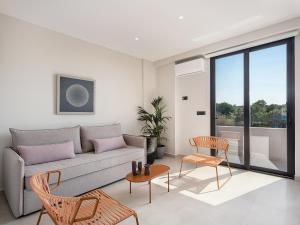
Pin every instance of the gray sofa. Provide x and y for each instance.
(83, 173)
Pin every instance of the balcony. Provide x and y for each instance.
(268, 146)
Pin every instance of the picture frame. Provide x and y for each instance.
(75, 95)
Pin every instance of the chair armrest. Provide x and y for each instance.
(58, 177)
(137, 141)
(92, 214)
(13, 166)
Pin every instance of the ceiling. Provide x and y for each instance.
(116, 23)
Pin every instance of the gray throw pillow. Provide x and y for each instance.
(46, 137)
(89, 133)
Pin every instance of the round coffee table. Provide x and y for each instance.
(155, 170)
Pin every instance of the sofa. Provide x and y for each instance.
(82, 173)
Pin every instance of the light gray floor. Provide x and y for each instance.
(275, 202)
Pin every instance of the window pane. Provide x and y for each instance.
(268, 97)
(229, 72)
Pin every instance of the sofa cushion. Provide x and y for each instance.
(46, 153)
(106, 144)
(46, 137)
(86, 163)
(88, 133)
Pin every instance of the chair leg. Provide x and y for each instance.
(40, 216)
(228, 164)
(136, 219)
(150, 197)
(229, 168)
(217, 178)
(180, 168)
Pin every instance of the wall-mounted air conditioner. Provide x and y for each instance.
(190, 66)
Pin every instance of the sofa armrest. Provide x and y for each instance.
(13, 180)
(137, 141)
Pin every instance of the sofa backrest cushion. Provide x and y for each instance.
(106, 144)
(46, 153)
(89, 133)
(45, 137)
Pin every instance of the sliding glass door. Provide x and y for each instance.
(252, 105)
(268, 107)
(229, 104)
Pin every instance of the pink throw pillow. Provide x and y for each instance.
(46, 153)
(106, 144)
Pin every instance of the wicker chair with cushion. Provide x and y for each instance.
(95, 207)
(207, 142)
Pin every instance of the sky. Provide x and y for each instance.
(267, 74)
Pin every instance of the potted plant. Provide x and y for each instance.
(154, 126)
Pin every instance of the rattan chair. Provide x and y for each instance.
(95, 207)
(216, 143)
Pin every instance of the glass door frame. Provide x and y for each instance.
(290, 106)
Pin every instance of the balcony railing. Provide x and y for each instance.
(268, 146)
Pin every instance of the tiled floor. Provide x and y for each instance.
(247, 198)
(259, 160)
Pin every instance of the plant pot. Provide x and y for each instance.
(151, 158)
(151, 144)
(151, 149)
(160, 152)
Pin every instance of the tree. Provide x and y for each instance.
(259, 113)
(239, 115)
(225, 108)
(262, 115)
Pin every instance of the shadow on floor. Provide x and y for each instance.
(197, 185)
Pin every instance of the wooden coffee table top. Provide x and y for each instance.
(155, 170)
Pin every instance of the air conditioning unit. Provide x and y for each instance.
(188, 67)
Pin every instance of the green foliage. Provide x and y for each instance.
(225, 108)
(154, 123)
(262, 115)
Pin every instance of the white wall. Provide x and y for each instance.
(188, 124)
(166, 89)
(149, 83)
(31, 56)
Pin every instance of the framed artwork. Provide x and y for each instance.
(75, 95)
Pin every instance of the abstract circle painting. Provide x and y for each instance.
(75, 95)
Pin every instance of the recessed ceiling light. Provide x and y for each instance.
(136, 38)
(180, 17)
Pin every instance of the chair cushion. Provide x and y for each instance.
(46, 137)
(46, 153)
(88, 133)
(106, 144)
(85, 163)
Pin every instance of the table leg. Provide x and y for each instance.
(130, 187)
(150, 191)
(168, 182)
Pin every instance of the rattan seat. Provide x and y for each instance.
(216, 143)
